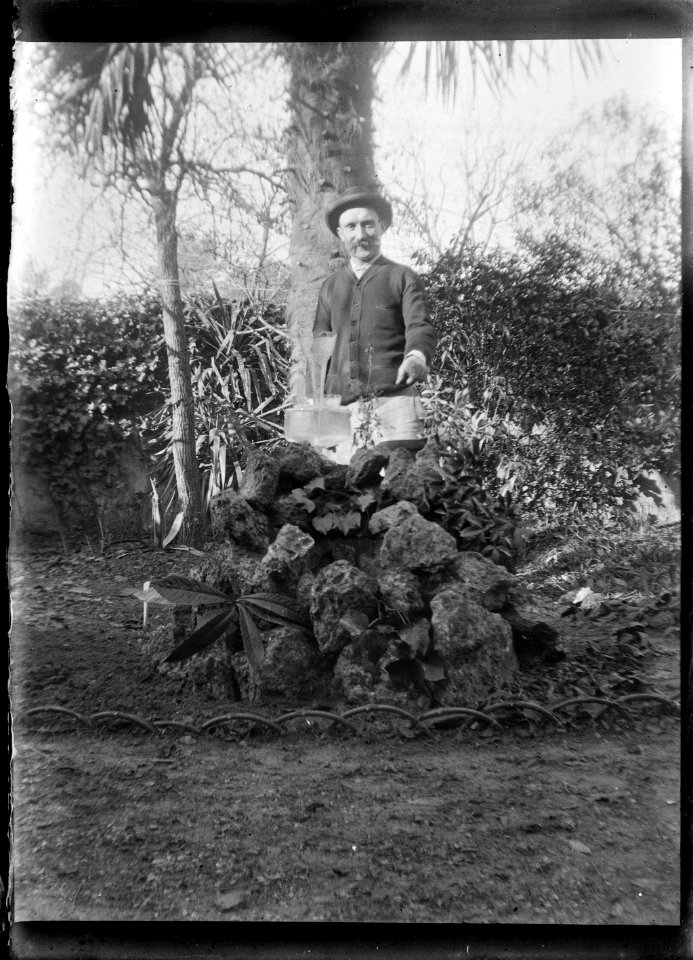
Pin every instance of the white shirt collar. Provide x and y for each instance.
(359, 267)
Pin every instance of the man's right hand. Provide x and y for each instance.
(412, 370)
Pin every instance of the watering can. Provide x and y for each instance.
(320, 421)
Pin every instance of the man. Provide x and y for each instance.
(378, 311)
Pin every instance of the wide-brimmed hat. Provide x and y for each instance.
(357, 197)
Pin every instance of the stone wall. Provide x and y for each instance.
(119, 509)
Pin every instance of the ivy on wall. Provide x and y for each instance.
(81, 376)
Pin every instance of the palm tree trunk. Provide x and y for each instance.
(330, 148)
(182, 408)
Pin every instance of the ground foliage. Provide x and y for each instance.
(543, 377)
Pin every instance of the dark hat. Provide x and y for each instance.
(357, 197)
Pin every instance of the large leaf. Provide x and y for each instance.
(252, 638)
(156, 516)
(186, 592)
(205, 635)
(274, 607)
(175, 528)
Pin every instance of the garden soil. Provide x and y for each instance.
(531, 824)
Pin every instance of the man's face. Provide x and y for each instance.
(360, 231)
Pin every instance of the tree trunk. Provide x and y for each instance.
(182, 407)
(329, 148)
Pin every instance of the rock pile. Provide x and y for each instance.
(394, 612)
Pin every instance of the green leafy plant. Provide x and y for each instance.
(411, 665)
(239, 362)
(333, 511)
(82, 377)
(230, 615)
(86, 376)
(335, 517)
(555, 384)
(464, 509)
(368, 422)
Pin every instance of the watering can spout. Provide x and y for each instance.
(321, 351)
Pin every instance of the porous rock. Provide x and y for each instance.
(243, 676)
(399, 463)
(286, 556)
(356, 683)
(352, 679)
(485, 583)
(260, 479)
(290, 509)
(299, 463)
(365, 467)
(418, 479)
(230, 568)
(234, 519)
(478, 579)
(212, 672)
(400, 592)
(475, 645)
(335, 478)
(291, 666)
(304, 588)
(417, 544)
(339, 589)
(382, 520)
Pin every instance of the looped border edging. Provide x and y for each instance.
(428, 719)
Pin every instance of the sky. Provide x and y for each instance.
(418, 140)
(529, 112)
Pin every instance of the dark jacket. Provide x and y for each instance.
(378, 320)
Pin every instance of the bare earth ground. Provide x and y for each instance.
(531, 825)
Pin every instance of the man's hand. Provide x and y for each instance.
(412, 369)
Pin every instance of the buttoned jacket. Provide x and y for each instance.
(378, 319)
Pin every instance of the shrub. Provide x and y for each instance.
(82, 375)
(239, 359)
(556, 389)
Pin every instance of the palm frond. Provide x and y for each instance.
(108, 90)
(492, 60)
